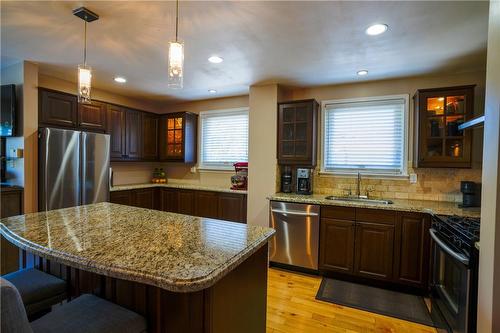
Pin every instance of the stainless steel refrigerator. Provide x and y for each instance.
(73, 168)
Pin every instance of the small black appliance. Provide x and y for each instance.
(304, 181)
(286, 180)
(471, 194)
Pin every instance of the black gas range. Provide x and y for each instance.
(454, 271)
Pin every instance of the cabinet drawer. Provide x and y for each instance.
(376, 216)
(338, 212)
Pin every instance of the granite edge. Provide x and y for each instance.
(137, 276)
(277, 197)
(128, 187)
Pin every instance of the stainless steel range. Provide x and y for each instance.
(454, 271)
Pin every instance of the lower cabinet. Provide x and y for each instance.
(376, 244)
(217, 205)
(374, 250)
(11, 204)
(337, 251)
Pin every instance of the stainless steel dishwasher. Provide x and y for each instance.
(297, 234)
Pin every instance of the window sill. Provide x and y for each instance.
(214, 169)
(363, 175)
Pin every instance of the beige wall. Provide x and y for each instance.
(55, 83)
(489, 258)
(432, 184)
(261, 152)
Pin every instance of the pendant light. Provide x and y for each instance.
(176, 56)
(84, 71)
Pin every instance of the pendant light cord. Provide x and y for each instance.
(85, 46)
(176, 19)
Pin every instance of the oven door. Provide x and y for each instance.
(450, 283)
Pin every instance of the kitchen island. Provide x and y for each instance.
(183, 273)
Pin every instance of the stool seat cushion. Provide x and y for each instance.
(38, 290)
(13, 317)
(89, 313)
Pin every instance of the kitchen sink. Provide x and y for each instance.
(362, 200)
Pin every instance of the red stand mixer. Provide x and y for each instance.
(240, 180)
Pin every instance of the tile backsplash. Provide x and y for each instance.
(432, 184)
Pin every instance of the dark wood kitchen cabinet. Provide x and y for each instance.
(57, 109)
(117, 131)
(178, 139)
(169, 200)
(121, 197)
(11, 204)
(337, 250)
(438, 113)
(92, 116)
(186, 202)
(144, 198)
(412, 249)
(297, 133)
(205, 204)
(133, 139)
(374, 250)
(232, 207)
(149, 136)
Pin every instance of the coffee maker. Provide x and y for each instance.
(304, 181)
(471, 193)
(286, 179)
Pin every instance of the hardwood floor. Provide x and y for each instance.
(292, 308)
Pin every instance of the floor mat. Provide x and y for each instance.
(386, 302)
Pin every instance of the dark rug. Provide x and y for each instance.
(386, 302)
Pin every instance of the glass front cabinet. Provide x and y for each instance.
(438, 113)
(178, 137)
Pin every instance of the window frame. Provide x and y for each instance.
(215, 167)
(376, 174)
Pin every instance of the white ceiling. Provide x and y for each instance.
(299, 43)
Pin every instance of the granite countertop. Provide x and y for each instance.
(422, 206)
(180, 253)
(179, 186)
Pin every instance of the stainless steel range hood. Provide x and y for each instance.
(476, 122)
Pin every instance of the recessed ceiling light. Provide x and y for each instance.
(362, 72)
(120, 79)
(376, 29)
(215, 59)
(212, 91)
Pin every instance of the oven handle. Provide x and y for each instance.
(293, 212)
(460, 257)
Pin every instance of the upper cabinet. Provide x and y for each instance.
(149, 136)
(438, 113)
(297, 132)
(92, 116)
(57, 109)
(178, 137)
(125, 129)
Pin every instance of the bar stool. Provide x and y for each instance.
(86, 313)
(38, 290)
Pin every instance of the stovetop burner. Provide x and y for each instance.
(461, 232)
(467, 225)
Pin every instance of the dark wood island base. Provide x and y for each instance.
(236, 303)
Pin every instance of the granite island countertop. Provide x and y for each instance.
(213, 188)
(420, 206)
(180, 253)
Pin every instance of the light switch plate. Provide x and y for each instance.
(413, 178)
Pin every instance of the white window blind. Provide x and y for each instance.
(366, 136)
(224, 138)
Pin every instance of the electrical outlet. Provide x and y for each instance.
(413, 178)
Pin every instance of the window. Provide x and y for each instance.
(367, 135)
(223, 138)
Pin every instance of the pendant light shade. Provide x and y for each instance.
(84, 71)
(175, 64)
(84, 83)
(176, 57)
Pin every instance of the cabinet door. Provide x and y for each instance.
(57, 109)
(336, 251)
(149, 136)
(206, 204)
(186, 202)
(374, 250)
(121, 197)
(297, 126)
(178, 140)
(170, 200)
(133, 134)
(11, 204)
(232, 207)
(92, 116)
(116, 130)
(144, 198)
(412, 247)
